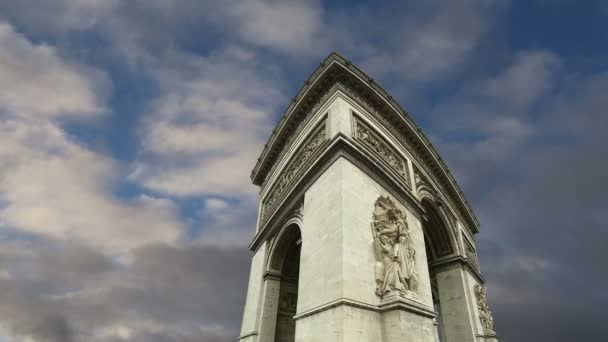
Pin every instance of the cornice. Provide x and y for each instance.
(458, 261)
(336, 69)
(340, 146)
(401, 304)
(253, 333)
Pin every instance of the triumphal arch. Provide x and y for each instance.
(363, 233)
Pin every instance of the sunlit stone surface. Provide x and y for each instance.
(363, 233)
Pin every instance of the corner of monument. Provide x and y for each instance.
(345, 157)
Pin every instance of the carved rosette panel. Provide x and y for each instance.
(485, 315)
(395, 268)
(381, 148)
(310, 147)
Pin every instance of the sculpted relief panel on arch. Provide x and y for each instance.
(395, 254)
(306, 153)
(381, 148)
(485, 314)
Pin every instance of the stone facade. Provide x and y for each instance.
(363, 233)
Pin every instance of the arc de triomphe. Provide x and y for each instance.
(363, 234)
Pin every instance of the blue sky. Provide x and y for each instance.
(128, 130)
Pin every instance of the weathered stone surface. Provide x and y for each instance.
(377, 217)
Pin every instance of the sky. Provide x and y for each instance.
(128, 130)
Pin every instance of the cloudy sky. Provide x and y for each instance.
(128, 129)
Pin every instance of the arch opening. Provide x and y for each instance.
(436, 232)
(286, 261)
(438, 243)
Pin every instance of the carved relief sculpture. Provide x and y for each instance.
(382, 149)
(485, 315)
(294, 167)
(395, 254)
(406, 141)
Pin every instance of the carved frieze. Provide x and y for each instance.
(381, 148)
(395, 268)
(470, 253)
(293, 168)
(306, 118)
(408, 140)
(485, 315)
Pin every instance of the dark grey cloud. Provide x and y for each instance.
(416, 42)
(540, 197)
(24, 312)
(523, 134)
(164, 293)
(192, 336)
(207, 283)
(143, 30)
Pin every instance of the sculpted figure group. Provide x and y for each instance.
(485, 315)
(395, 253)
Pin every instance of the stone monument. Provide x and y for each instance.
(363, 233)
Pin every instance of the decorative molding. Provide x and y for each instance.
(420, 182)
(300, 126)
(334, 70)
(401, 303)
(381, 148)
(309, 148)
(395, 302)
(253, 333)
(458, 261)
(270, 275)
(409, 143)
(339, 146)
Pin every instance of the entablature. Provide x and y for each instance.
(337, 73)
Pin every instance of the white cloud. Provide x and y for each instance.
(50, 184)
(203, 133)
(499, 106)
(216, 204)
(293, 26)
(59, 16)
(35, 81)
(531, 76)
(57, 188)
(430, 40)
(228, 224)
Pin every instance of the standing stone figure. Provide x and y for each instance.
(389, 277)
(395, 254)
(407, 257)
(485, 315)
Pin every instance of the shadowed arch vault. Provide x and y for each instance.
(437, 231)
(284, 265)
